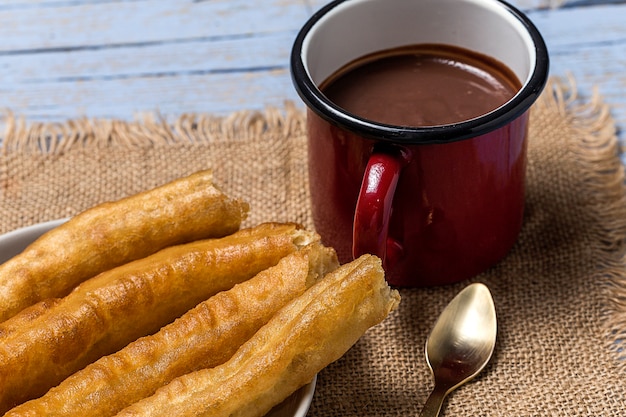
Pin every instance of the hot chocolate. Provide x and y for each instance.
(422, 85)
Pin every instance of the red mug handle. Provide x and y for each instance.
(373, 208)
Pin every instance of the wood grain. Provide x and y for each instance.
(63, 59)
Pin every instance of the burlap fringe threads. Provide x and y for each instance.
(151, 130)
(603, 173)
(598, 160)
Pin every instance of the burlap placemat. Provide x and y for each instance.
(560, 294)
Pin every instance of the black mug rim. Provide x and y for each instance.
(327, 110)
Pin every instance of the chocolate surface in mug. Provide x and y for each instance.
(421, 85)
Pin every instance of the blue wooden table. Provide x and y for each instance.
(63, 59)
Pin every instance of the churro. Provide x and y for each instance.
(308, 334)
(105, 313)
(115, 233)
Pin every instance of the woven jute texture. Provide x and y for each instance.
(560, 294)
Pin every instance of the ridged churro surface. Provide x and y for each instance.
(114, 233)
(204, 337)
(105, 313)
(302, 338)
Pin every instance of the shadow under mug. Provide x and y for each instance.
(438, 204)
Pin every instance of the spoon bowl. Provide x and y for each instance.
(460, 343)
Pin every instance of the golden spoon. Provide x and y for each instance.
(460, 344)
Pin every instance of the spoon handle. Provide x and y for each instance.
(434, 402)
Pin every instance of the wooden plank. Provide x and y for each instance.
(589, 43)
(171, 96)
(65, 25)
(147, 69)
(262, 52)
(108, 58)
(601, 26)
(586, 3)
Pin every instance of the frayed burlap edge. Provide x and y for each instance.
(149, 130)
(597, 156)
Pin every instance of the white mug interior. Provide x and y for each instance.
(356, 28)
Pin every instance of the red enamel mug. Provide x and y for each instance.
(439, 204)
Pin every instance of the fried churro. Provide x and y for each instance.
(105, 313)
(309, 333)
(115, 233)
(204, 337)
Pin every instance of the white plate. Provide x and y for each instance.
(12, 243)
(296, 405)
